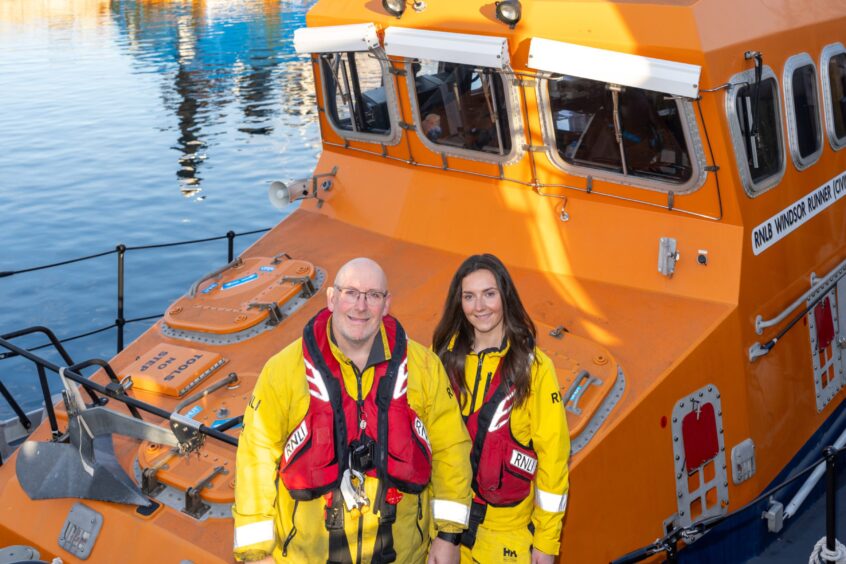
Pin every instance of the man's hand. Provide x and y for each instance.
(539, 557)
(265, 560)
(443, 552)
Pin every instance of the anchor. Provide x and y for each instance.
(86, 467)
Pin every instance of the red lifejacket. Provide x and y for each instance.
(316, 453)
(503, 468)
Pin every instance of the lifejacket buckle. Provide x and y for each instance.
(352, 489)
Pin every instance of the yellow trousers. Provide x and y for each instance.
(499, 547)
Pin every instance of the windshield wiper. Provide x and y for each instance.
(618, 129)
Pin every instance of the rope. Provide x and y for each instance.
(822, 555)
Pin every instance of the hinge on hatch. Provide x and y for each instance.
(194, 504)
(308, 284)
(274, 315)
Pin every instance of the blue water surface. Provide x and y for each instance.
(136, 123)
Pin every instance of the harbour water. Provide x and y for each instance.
(136, 123)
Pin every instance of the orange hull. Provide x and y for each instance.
(583, 253)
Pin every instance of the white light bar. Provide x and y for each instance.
(670, 77)
(462, 48)
(336, 38)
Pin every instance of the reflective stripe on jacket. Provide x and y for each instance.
(265, 516)
(541, 422)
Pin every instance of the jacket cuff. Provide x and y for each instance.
(545, 545)
(452, 511)
(254, 541)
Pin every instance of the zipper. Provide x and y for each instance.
(359, 402)
(476, 383)
(360, 534)
(419, 515)
(487, 385)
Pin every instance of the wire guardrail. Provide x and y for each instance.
(120, 250)
(669, 544)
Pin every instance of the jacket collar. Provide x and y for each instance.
(493, 351)
(380, 351)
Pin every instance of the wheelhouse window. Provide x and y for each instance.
(755, 120)
(462, 108)
(805, 133)
(358, 93)
(623, 130)
(833, 65)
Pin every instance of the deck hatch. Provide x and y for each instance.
(243, 300)
(591, 382)
(172, 370)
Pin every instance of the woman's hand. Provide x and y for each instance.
(539, 557)
(443, 552)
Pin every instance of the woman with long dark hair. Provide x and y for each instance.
(510, 400)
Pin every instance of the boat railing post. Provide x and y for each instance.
(830, 454)
(27, 424)
(48, 401)
(120, 321)
(230, 241)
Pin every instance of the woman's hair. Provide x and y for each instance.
(518, 329)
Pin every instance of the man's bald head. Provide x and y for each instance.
(358, 300)
(362, 268)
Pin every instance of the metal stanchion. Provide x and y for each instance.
(48, 401)
(120, 321)
(230, 240)
(830, 499)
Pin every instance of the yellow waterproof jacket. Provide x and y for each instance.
(266, 515)
(541, 420)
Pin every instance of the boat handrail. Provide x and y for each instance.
(669, 543)
(818, 290)
(120, 320)
(42, 377)
(113, 390)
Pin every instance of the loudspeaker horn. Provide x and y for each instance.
(281, 194)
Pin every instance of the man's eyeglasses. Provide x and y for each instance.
(371, 297)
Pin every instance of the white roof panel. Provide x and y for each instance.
(336, 38)
(670, 77)
(462, 48)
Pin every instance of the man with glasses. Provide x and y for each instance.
(353, 442)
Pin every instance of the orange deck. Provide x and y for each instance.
(593, 274)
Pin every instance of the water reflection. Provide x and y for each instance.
(219, 55)
(55, 12)
(110, 110)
